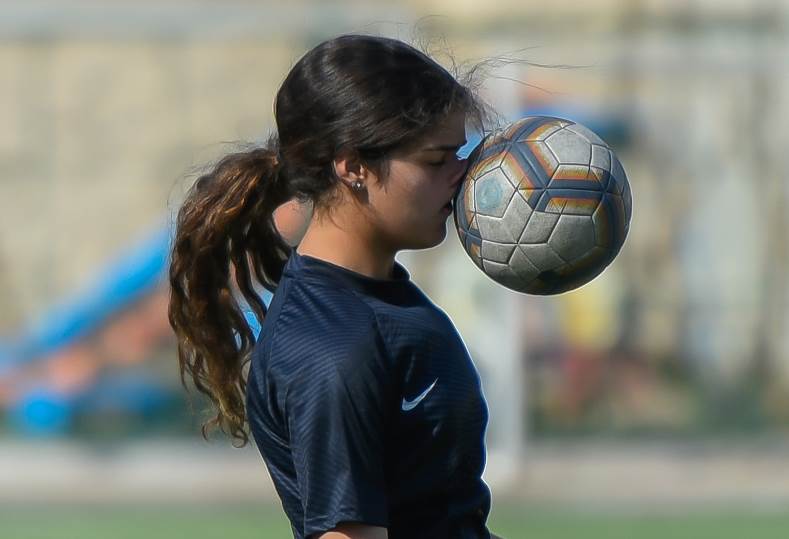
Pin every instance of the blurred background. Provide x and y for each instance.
(652, 402)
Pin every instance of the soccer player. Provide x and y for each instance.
(360, 394)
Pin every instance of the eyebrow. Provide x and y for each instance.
(445, 147)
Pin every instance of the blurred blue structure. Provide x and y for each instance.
(44, 413)
(116, 286)
(133, 274)
(123, 281)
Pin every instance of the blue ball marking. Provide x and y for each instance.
(489, 196)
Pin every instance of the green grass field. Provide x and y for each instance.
(113, 522)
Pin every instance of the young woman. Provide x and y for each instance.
(360, 394)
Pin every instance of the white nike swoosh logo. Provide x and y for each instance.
(410, 405)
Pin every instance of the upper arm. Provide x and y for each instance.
(353, 530)
(337, 415)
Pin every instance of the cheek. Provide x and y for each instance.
(400, 209)
(415, 203)
(409, 197)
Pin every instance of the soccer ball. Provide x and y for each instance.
(545, 205)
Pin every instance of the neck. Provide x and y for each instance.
(347, 246)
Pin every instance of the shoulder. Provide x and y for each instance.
(325, 335)
(313, 313)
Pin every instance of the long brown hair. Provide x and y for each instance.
(370, 94)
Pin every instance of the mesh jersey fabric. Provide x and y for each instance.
(366, 406)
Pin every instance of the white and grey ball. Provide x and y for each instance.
(545, 206)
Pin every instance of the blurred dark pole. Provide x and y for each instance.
(769, 166)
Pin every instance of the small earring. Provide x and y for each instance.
(358, 185)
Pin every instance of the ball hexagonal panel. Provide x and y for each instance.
(492, 193)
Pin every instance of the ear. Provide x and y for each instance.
(349, 168)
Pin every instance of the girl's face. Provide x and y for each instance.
(409, 208)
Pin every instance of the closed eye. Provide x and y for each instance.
(441, 164)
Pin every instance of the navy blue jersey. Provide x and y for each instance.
(366, 407)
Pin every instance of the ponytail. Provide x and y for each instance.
(226, 220)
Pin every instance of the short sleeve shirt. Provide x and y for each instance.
(366, 406)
